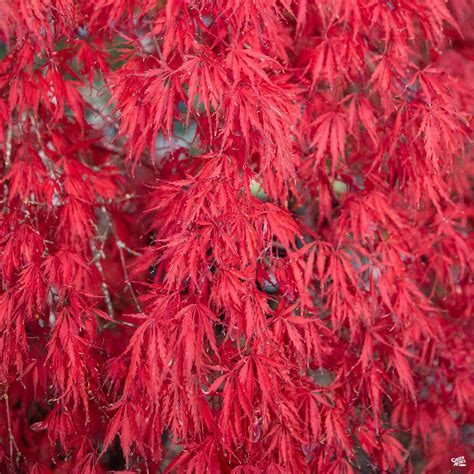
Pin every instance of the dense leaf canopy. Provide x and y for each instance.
(236, 236)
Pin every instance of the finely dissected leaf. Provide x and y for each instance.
(235, 237)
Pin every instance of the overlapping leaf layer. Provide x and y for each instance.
(236, 236)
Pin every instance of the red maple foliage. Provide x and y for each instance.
(236, 236)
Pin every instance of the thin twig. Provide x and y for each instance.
(121, 246)
(405, 457)
(8, 147)
(157, 47)
(128, 249)
(8, 163)
(11, 438)
(104, 117)
(53, 309)
(48, 164)
(97, 256)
